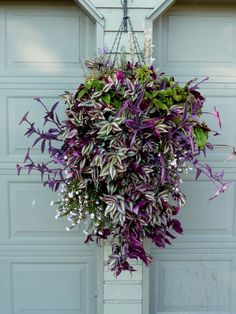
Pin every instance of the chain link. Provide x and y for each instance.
(126, 22)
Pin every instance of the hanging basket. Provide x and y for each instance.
(118, 158)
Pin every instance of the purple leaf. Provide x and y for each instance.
(176, 225)
(198, 173)
(18, 168)
(24, 118)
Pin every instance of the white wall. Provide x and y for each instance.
(113, 13)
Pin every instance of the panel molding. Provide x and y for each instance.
(204, 263)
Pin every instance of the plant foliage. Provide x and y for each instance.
(129, 135)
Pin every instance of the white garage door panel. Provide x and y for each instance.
(44, 40)
(205, 220)
(43, 268)
(193, 283)
(47, 284)
(197, 274)
(15, 103)
(26, 215)
(218, 30)
(198, 41)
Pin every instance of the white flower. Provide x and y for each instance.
(92, 216)
(85, 232)
(52, 203)
(174, 162)
(67, 228)
(70, 194)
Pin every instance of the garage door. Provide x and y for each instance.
(43, 268)
(197, 274)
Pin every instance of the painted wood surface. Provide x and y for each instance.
(123, 294)
(43, 268)
(197, 273)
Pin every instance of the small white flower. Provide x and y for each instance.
(67, 228)
(92, 216)
(70, 194)
(85, 232)
(174, 162)
(52, 203)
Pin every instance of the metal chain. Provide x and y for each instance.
(126, 26)
(117, 38)
(136, 43)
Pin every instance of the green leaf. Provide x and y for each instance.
(81, 93)
(160, 104)
(105, 171)
(112, 171)
(200, 137)
(117, 104)
(106, 98)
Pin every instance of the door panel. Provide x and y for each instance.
(197, 274)
(43, 268)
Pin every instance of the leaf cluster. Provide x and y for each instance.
(128, 136)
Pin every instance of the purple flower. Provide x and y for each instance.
(120, 76)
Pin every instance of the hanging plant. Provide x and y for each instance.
(119, 155)
(128, 136)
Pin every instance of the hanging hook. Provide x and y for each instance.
(124, 4)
